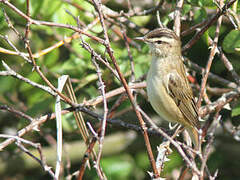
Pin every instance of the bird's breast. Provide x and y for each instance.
(159, 98)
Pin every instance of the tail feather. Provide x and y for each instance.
(193, 132)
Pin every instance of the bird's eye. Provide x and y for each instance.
(159, 42)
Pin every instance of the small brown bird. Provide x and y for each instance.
(168, 88)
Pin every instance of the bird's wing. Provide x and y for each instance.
(180, 91)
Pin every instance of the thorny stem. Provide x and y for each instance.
(207, 25)
(131, 98)
(208, 66)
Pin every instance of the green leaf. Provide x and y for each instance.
(232, 41)
(138, 70)
(142, 160)
(203, 3)
(69, 123)
(175, 161)
(61, 16)
(118, 167)
(39, 103)
(236, 111)
(141, 65)
(145, 49)
(51, 58)
(186, 9)
(2, 20)
(48, 10)
(140, 20)
(205, 37)
(200, 15)
(33, 76)
(223, 31)
(36, 7)
(208, 3)
(8, 84)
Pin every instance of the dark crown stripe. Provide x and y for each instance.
(162, 32)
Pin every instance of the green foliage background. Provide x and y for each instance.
(132, 162)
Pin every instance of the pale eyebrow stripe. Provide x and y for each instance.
(163, 38)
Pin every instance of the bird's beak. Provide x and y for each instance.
(139, 38)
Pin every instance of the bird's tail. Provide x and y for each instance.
(193, 132)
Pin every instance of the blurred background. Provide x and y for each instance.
(124, 153)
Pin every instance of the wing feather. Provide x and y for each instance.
(180, 91)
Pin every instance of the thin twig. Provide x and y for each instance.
(41, 161)
(45, 23)
(214, 77)
(10, 72)
(209, 63)
(177, 17)
(191, 164)
(208, 148)
(229, 66)
(131, 98)
(208, 24)
(105, 109)
(16, 112)
(132, 77)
